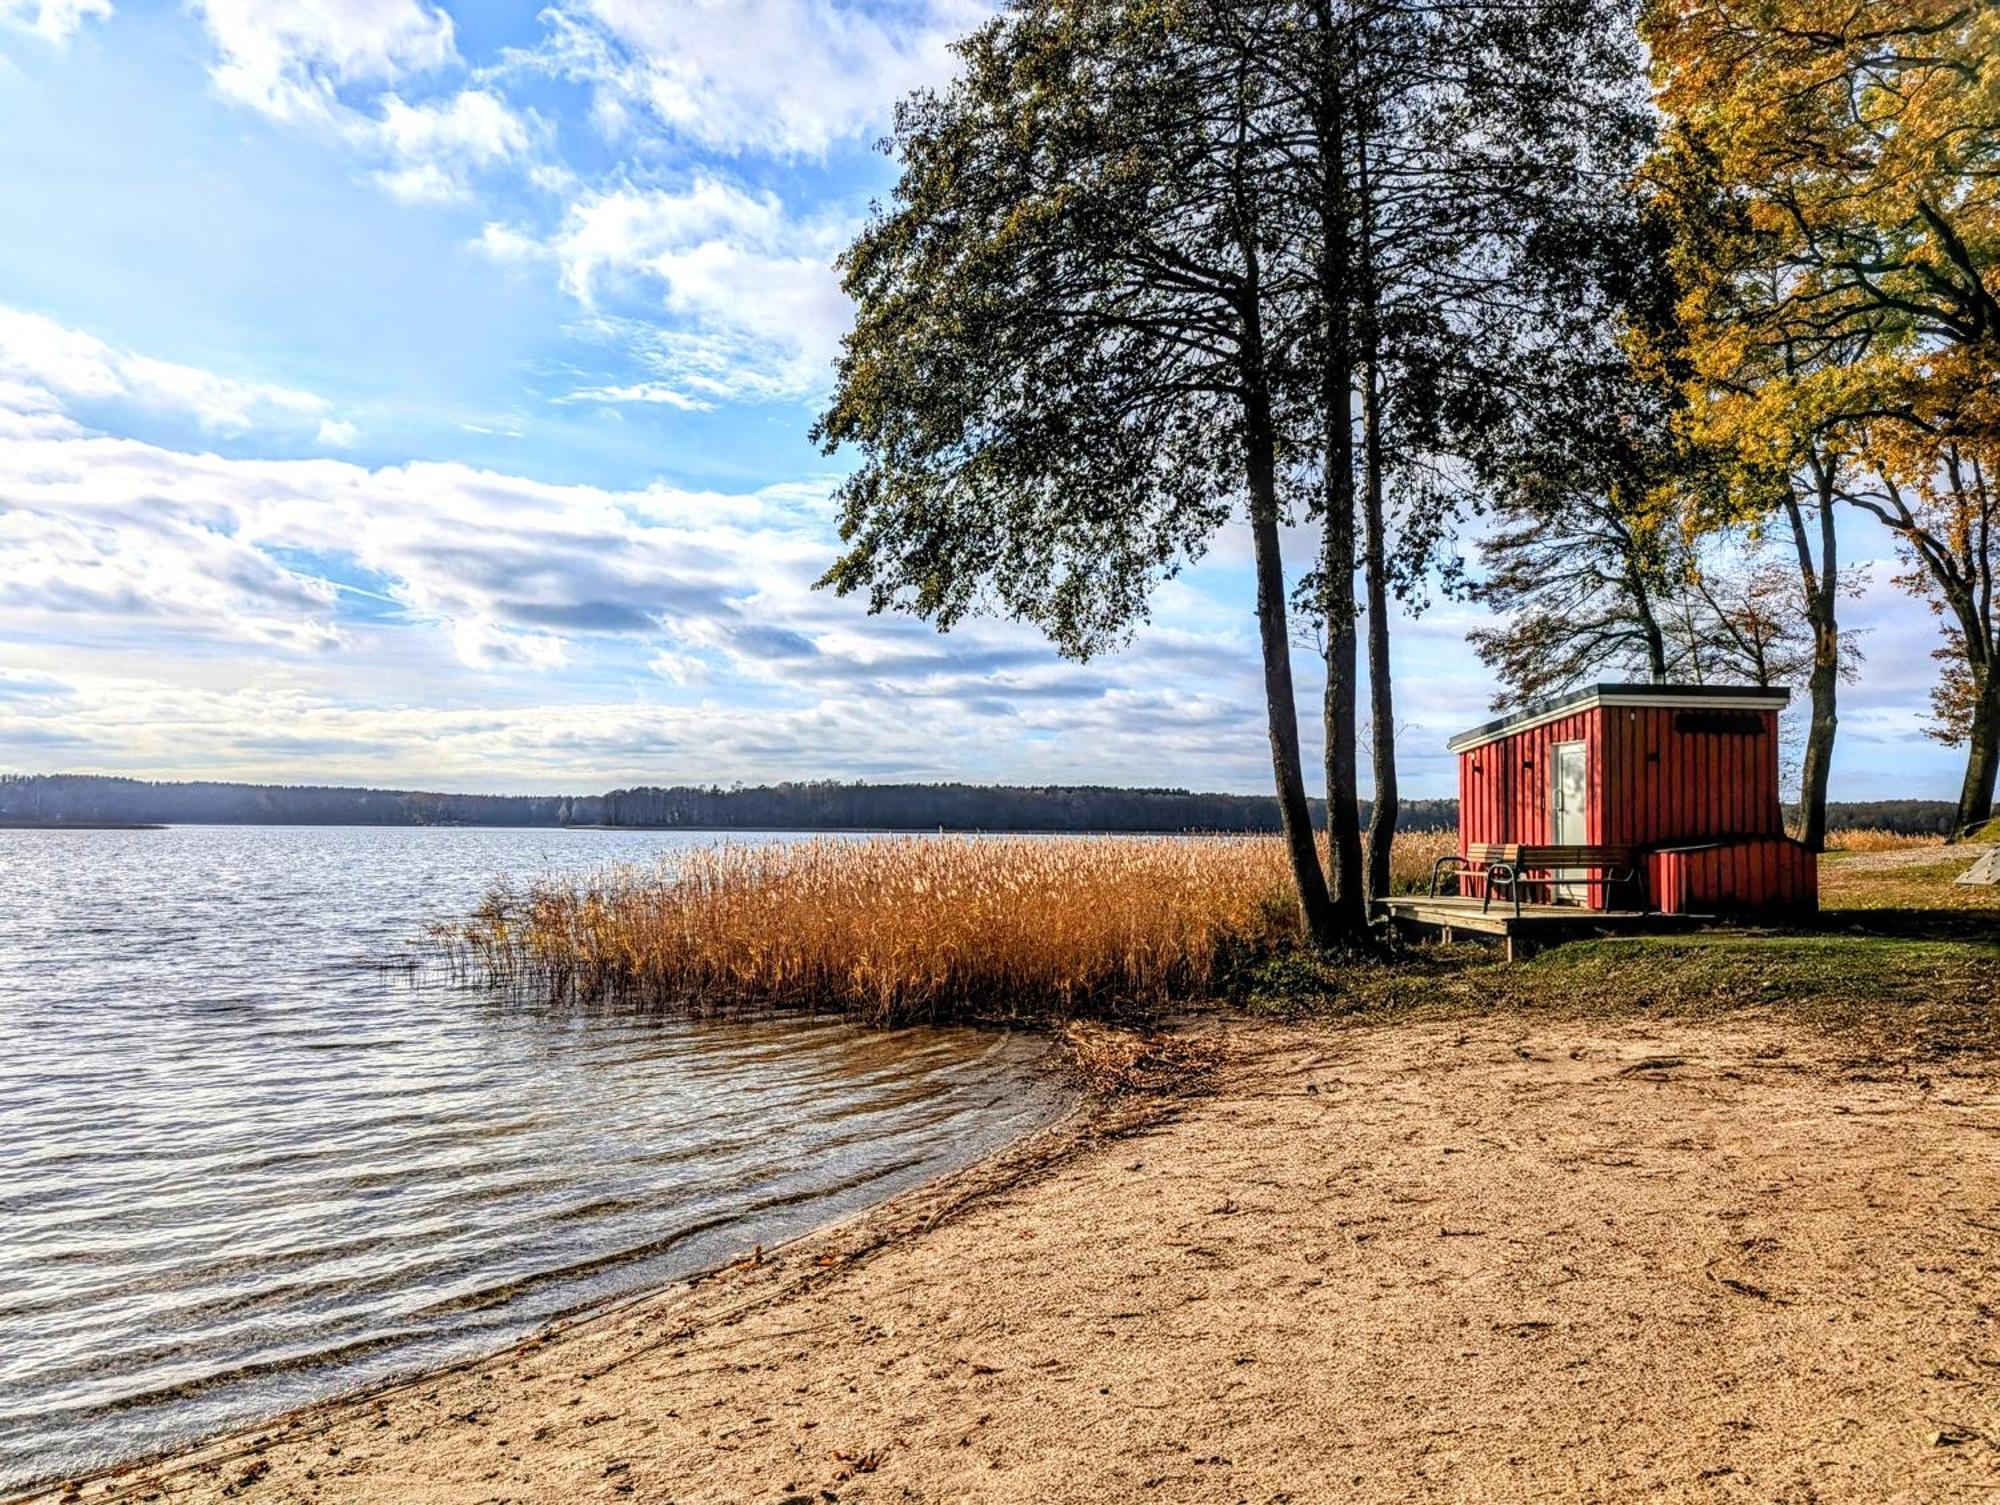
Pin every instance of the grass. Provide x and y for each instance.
(1901, 961)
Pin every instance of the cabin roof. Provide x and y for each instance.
(1675, 697)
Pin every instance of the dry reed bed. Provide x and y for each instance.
(895, 930)
(904, 929)
(1874, 839)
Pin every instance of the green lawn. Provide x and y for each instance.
(1901, 959)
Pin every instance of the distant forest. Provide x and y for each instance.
(968, 807)
(88, 799)
(85, 799)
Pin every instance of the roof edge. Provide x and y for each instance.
(1678, 697)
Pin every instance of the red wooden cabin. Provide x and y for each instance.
(1684, 775)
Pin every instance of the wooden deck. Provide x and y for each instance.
(1536, 923)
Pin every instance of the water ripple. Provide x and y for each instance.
(244, 1164)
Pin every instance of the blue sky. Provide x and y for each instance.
(416, 394)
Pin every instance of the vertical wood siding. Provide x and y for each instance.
(1760, 875)
(1672, 786)
(1650, 785)
(1506, 790)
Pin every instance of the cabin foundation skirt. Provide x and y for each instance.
(1764, 875)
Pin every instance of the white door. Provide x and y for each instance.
(1569, 822)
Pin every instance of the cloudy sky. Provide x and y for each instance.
(409, 394)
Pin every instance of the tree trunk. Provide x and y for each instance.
(1975, 605)
(1337, 553)
(1381, 699)
(1982, 762)
(1649, 625)
(1343, 783)
(1381, 693)
(1821, 586)
(1960, 558)
(1280, 703)
(1260, 459)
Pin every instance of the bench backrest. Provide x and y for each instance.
(1520, 855)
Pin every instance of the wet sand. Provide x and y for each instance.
(1505, 1260)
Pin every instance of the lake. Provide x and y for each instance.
(244, 1164)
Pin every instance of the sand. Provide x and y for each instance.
(1501, 1261)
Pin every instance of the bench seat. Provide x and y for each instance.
(1509, 868)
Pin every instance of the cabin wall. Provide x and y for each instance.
(1651, 785)
(1503, 785)
(1505, 790)
(1664, 785)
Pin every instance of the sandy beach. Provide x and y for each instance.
(1502, 1260)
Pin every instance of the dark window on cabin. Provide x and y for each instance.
(1720, 723)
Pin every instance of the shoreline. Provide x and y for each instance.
(1083, 1119)
(1728, 1258)
(81, 825)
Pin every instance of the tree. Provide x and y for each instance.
(1604, 561)
(1075, 347)
(1455, 164)
(1853, 147)
(1767, 420)
(1140, 259)
(1586, 555)
(1755, 626)
(1579, 599)
(1948, 527)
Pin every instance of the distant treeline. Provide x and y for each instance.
(86, 799)
(1910, 817)
(968, 807)
(89, 799)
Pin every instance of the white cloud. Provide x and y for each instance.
(335, 65)
(484, 644)
(678, 668)
(28, 410)
(440, 144)
(552, 177)
(183, 607)
(644, 392)
(788, 77)
(421, 183)
(505, 244)
(290, 58)
(129, 570)
(753, 307)
(45, 368)
(474, 125)
(337, 433)
(511, 572)
(575, 597)
(54, 21)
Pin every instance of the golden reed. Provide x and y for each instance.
(903, 929)
(1871, 839)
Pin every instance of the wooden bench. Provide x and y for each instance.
(1505, 867)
